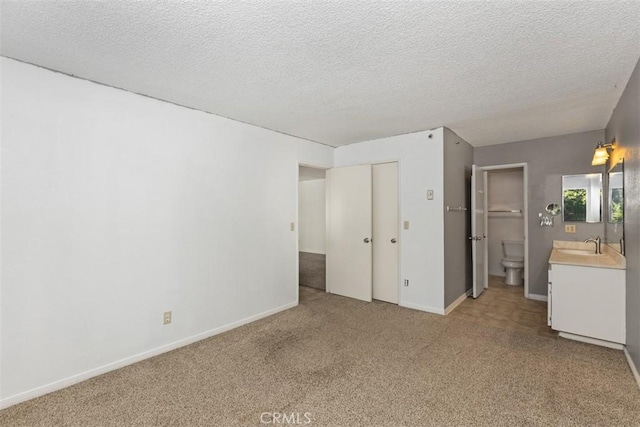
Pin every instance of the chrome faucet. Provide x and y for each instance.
(597, 242)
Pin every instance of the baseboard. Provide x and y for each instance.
(422, 308)
(538, 297)
(457, 302)
(589, 340)
(58, 385)
(632, 365)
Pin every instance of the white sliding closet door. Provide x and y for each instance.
(385, 232)
(349, 232)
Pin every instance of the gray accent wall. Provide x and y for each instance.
(547, 160)
(624, 125)
(458, 158)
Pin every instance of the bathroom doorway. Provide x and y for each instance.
(505, 221)
(311, 227)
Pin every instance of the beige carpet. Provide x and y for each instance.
(312, 270)
(349, 363)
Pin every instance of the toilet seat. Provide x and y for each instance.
(511, 263)
(514, 260)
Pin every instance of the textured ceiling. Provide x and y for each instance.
(343, 72)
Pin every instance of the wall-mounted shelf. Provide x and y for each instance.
(519, 211)
(505, 213)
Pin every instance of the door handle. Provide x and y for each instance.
(366, 240)
(393, 240)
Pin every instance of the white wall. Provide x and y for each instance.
(421, 247)
(118, 207)
(504, 188)
(312, 216)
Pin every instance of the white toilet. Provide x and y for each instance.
(513, 261)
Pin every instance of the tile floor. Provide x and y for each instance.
(505, 306)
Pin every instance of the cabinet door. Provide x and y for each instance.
(589, 302)
(549, 296)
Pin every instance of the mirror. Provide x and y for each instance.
(616, 195)
(582, 198)
(553, 209)
(615, 204)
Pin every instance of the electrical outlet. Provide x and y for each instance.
(429, 194)
(293, 226)
(167, 317)
(569, 228)
(406, 225)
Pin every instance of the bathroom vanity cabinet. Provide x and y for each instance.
(587, 303)
(587, 293)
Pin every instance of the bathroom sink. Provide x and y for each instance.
(580, 252)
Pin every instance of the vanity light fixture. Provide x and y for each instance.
(601, 154)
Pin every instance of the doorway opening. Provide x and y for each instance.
(505, 247)
(499, 241)
(312, 227)
(506, 227)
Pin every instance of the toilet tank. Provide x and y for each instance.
(513, 248)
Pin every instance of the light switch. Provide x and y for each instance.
(406, 225)
(429, 194)
(293, 226)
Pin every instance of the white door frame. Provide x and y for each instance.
(297, 223)
(525, 216)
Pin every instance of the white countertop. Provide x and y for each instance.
(609, 258)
